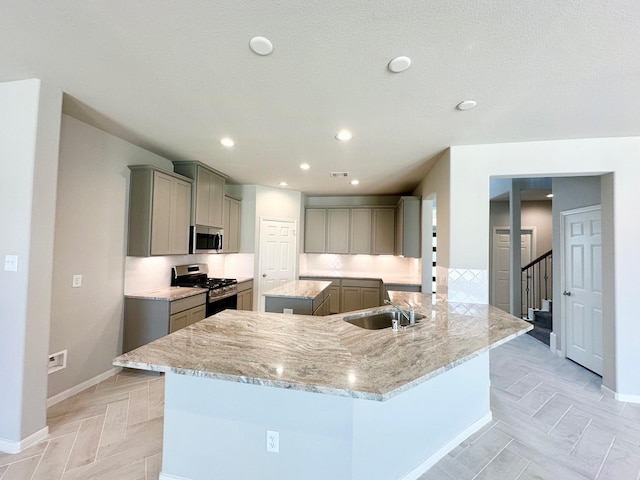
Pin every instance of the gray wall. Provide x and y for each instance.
(29, 135)
(90, 239)
(568, 193)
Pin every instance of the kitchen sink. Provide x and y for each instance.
(379, 320)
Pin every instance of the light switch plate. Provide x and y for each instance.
(11, 263)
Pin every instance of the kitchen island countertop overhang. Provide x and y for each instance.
(326, 354)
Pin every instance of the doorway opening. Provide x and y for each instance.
(535, 210)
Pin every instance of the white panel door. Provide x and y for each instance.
(501, 270)
(582, 287)
(277, 254)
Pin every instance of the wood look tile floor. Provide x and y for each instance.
(550, 422)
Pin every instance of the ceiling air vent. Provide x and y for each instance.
(339, 174)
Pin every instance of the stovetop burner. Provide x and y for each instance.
(196, 276)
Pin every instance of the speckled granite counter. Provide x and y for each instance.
(308, 289)
(169, 294)
(327, 354)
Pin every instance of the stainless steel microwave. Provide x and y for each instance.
(206, 239)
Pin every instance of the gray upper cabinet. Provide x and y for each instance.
(315, 230)
(159, 211)
(338, 230)
(360, 231)
(384, 231)
(208, 193)
(355, 230)
(231, 225)
(408, 221)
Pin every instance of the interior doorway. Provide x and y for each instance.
(277, 255)
(501, 270)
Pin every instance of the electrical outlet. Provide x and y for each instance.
(287, 310)
(57, 361)
(273, 441)
(11, 263)
(76, 281)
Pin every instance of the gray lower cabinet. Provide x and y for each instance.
(159, 210)
(334, 299)
(347, 295)
(245, 295)
(402, 287)
(146, 320)
(357, 294)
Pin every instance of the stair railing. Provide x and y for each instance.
(537, 282)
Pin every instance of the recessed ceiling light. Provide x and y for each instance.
(305, 166)
(227, 142)
(399, 64)
(355, 182)
(283, 184)
(550, 195)
(467, 105)
(261, 46)
(344, 135)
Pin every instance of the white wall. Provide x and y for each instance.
(29, 134)
(91, 237)
(471, 168)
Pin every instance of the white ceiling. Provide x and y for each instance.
(176, 76)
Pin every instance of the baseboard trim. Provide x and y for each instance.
(621, 397)
(82, 386)
(10, 446)
(166, 476)
(453, 443)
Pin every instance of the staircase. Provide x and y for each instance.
(537, 296)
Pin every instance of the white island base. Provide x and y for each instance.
(216, 429)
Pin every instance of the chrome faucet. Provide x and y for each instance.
(411, 316)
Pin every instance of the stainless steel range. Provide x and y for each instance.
(223, 292)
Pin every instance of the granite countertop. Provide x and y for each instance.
(309, 289)
(386, 278)
(169, 293)
(327, 354)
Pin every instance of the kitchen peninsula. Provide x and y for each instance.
(347, 403)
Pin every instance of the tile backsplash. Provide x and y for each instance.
(378, 265)
(467, 285)
(150, 273)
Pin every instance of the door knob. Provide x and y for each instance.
(264, 274)
(568, 294)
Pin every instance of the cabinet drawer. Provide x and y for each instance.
(246, 285)
(360, 283)
(187, 303)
